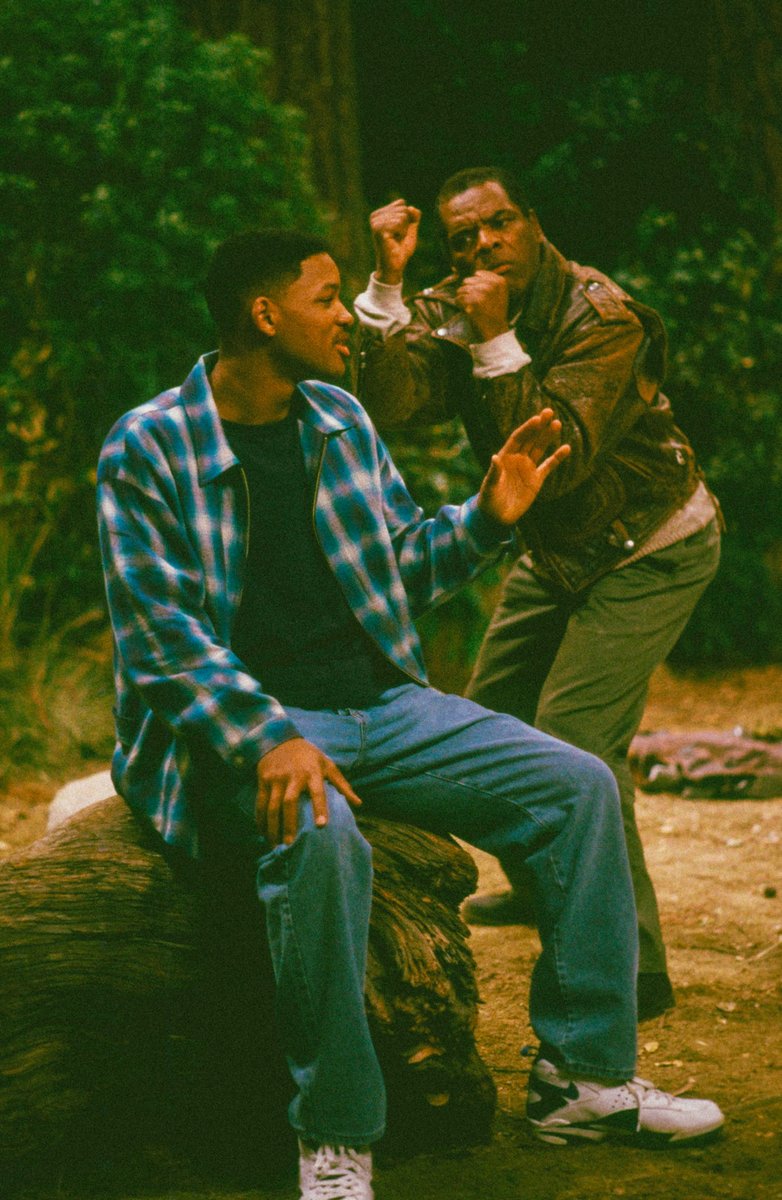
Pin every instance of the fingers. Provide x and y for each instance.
(493, 473)
(484, 279)
(277, 801)
(269, 809)
(484, 298)
(394, 219)
(335, 776)
(534, 436)
(278, 807)
(395, 237)
(320, 808)
(548, 465)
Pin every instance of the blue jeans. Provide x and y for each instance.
(451, 766)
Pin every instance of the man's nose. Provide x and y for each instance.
(488, 238)
(345, 316)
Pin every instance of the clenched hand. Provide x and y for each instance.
(484, 297)
(395, 236)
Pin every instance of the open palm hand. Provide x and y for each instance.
(519, 470)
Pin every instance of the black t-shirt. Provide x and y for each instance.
(294, 630)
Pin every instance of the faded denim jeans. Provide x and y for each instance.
(450, 766)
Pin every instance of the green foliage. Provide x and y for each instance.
(720, 296)
(629, 139)
(129, 149)
(55, 706)
(706, 256)
(437, 464)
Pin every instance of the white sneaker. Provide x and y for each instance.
(562, 1110)
(335, 1173)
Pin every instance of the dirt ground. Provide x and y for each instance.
(717, 869)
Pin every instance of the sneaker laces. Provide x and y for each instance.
(340, 1173)
(644, 1090)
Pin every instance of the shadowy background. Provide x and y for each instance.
(136, 134)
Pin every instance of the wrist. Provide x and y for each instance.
(388, 276)
(487, 332)
(488, 514)
(490, 535)
(502, 355)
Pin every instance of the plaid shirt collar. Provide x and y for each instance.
(213, 453)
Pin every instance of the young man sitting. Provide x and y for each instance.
(264, 566)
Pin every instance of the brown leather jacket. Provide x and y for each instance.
(598, 359)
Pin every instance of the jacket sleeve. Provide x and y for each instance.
(169, 647)
(604, 373)
(592, 388)
(405, 379)
(436, 555)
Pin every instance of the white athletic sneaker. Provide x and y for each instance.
(335, 1173)
(562, 1110)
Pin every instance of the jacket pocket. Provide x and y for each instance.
(663, 469)
(584, 513)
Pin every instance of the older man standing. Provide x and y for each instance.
(623, 540)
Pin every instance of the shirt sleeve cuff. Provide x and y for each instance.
(502, 355)
(268, 735)
(489, 535)
(381, 307)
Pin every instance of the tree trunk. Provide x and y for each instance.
(136, 1000)
(745, 71)
(313, 67)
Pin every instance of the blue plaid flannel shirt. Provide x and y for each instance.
(172, 515)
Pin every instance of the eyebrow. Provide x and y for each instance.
(472, 222)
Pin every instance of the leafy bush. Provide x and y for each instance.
(129, 149)
(720, 298)
(707, 257)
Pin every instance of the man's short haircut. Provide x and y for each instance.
(248, 264)
(472, 177)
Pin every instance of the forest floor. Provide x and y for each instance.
(716, 864)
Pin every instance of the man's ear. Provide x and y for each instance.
(264, 314)
(535, 223)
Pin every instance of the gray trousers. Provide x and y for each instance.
(578, 667)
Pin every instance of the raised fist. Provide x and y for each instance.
(395, 234)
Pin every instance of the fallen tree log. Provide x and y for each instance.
(136, 999)
(707, 765)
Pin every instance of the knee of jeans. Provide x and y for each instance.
(339, 839)
(596, 777)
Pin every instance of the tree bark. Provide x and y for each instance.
(745, 73)
(311, 42)
(136, 999)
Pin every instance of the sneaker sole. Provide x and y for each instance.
(573, 1135)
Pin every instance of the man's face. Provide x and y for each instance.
(311, 323)
(485, 231)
